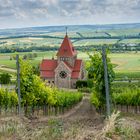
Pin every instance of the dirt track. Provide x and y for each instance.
(85, 114)
(79, 123)
(85, 120)
(82, 112)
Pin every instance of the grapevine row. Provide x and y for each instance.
(127, 96)
(47, 97)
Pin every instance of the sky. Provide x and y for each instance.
(28, 13)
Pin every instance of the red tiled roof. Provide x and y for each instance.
(75, 75)
(76, 69)
(77, 65)
(66, 48)
(47, 74)
(47, 68)
(48, 64)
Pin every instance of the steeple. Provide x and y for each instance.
(66, 49)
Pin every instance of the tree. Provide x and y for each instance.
(5, 78)
(96, 72)
(26, 77)
(33, 89)
(25, 57)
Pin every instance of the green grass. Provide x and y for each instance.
(5, 58)
(8, 63)
(127, 62)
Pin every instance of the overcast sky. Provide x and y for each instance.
(25, 13)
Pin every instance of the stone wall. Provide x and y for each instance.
(83, 74)
(73, 83)
(70, 60)
(62, 82)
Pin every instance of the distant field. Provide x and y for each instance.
(99, 32)
(95, 42)
(128, 65)
(28, 42)
(115, 32)
(126, 62)
(40, 42)
(5, 58)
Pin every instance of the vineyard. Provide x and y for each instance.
(52, 113)
(55, 114)
(49, 102)
(125, 97)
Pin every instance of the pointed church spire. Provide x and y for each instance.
(66, 48)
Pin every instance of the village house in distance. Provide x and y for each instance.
(64, 71)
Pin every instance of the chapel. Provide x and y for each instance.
(66, 69)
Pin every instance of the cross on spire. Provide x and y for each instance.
(66, 29)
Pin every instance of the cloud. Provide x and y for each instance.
(66, 8)
(28, 8)
(72, 11)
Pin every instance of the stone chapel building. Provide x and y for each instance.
(64, 71)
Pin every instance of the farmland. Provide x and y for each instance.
(83, 37)
(126, 64)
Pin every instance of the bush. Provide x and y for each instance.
(67, 99)
(8, 99)
(85, 89)
(81, 83)
(95, 100)
(90, 83)
(5, 78)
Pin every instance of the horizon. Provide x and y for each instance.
(38, 26)
(33, 13)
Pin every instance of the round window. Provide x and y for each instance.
(63, 74)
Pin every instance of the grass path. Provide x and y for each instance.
(3, 68)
